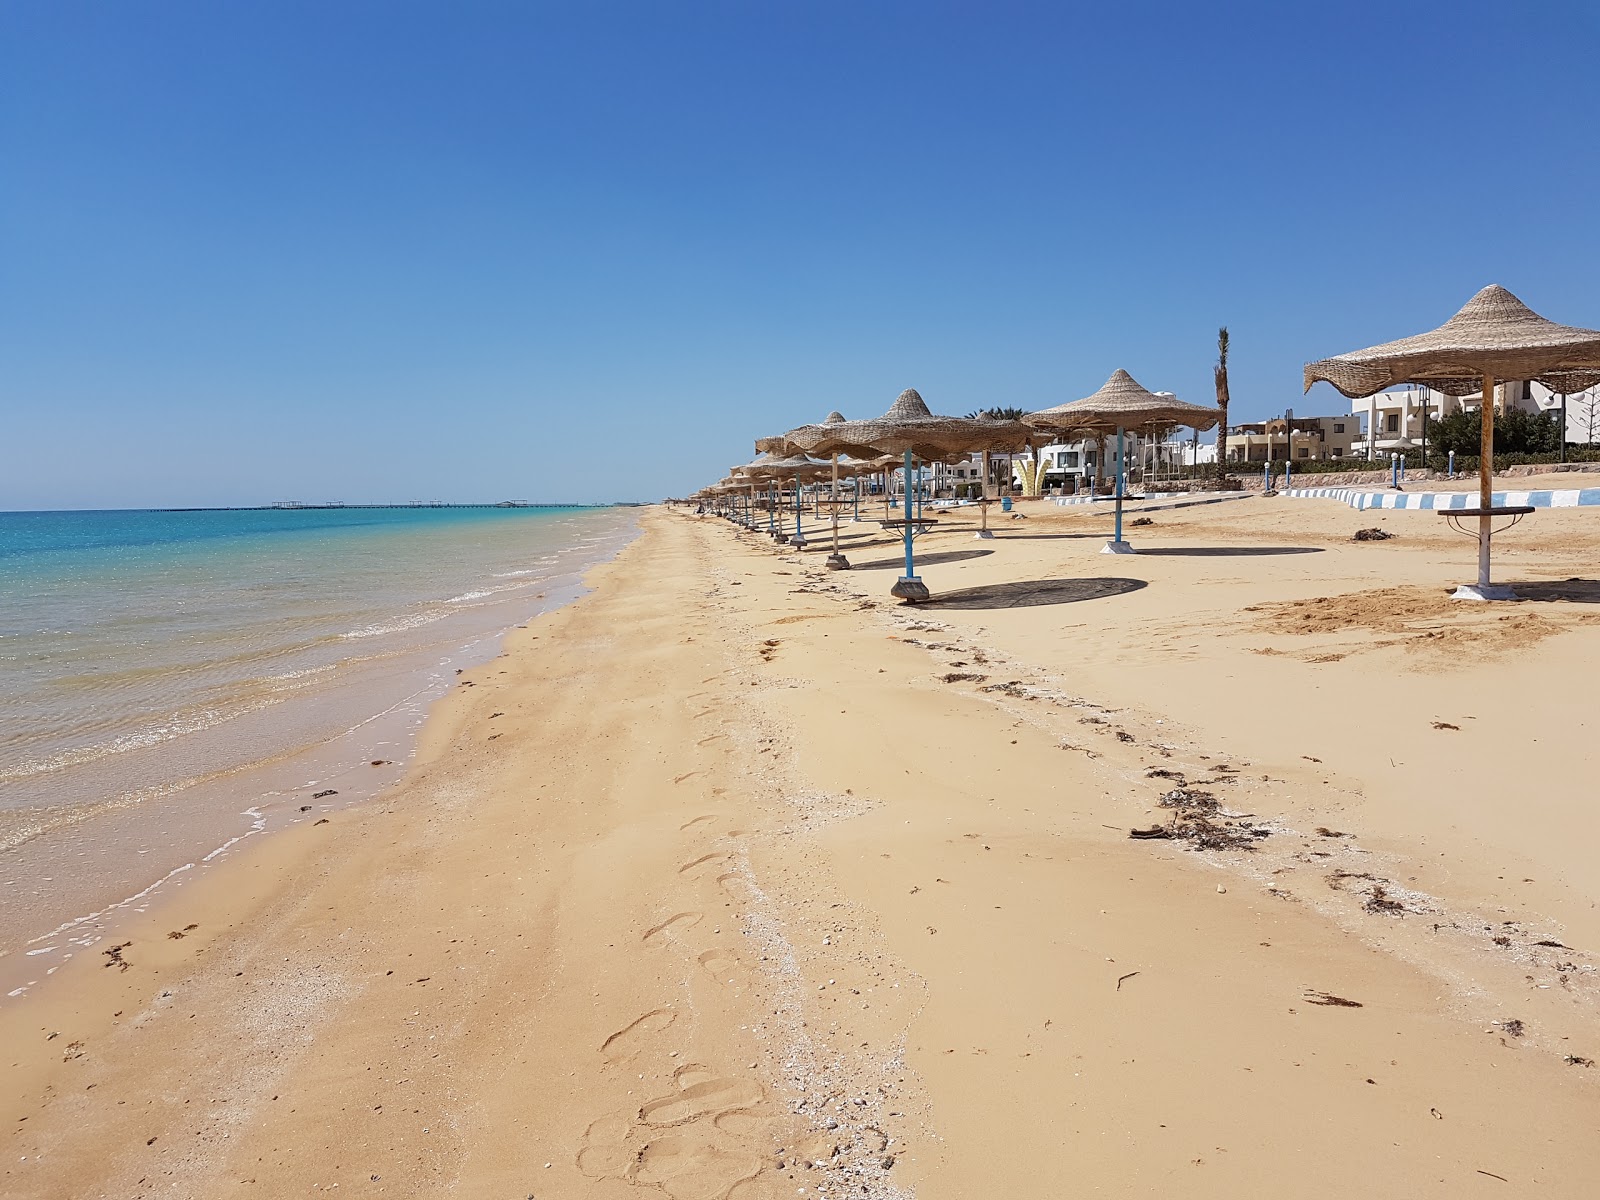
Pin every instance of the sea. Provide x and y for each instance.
(176, 685)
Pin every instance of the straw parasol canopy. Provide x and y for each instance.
(909, 427)
(1494, 334)
(1494, 337)
(792, 466)
(779, 443)
(759, 466)
(1122, 403)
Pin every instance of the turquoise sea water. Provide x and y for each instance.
(170, 681)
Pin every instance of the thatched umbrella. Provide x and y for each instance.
(779, 445)
(785, 443)
(836, 561)
(860, 468)
(1494, 337)
(1120, 403)
(910, 430)
(799, 468)
(757, 470)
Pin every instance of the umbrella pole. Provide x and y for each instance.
(983, 506)
(836, 561)
(799, 538)
(1484, 590)
(1117, 545)
(908, 587)
(1485, 476)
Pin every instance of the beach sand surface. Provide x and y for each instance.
(737, 878)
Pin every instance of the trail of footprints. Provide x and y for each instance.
(711, 1133)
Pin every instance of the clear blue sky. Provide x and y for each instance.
(590, 250)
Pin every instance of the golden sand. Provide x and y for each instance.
(737, 879)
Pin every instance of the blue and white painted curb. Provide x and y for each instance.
(1444, 501)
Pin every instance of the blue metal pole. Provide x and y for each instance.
(856, 515)
(1119, 483)
(798, 535)
(1452, 464)
(911, 570)
(1394, 470)
(1266, 478)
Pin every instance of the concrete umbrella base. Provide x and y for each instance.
(912, 591)
(1483, 591)
(1117, 548)
(984, 534)
(838, 562)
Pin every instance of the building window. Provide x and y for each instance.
(1304, 452)
(1338, 426)
(1337, 452)
(1393, 423)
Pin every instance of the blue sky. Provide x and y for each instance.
(371, 251)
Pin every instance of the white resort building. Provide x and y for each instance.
(1314, 439)
(1395, 417)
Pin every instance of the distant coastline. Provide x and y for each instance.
(326, 505)
(296, 505)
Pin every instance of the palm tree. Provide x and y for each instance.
(1003, 414)
(1220, 374)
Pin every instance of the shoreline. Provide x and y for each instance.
(240, 805)
(738, 880)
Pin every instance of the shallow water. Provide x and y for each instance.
(173, 683)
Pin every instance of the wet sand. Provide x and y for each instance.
(737, 878)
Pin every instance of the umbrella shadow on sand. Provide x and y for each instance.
(1029, 593)
(1574, 591)
(1044, 537)
(941, 556)
(1229, 551)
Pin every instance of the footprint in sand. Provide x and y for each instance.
(605, 1150)
(674, 923)
(692, 1164)
(724, 966)
(700, 820)
(694, 1159)
(736, 887)
(628, 1041)
(700, 1093)
(700, 862)
(746, 1122)
(686, 1168)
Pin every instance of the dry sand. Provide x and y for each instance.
(737, 879)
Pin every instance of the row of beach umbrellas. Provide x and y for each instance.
(1495, 337)
(912, 433)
